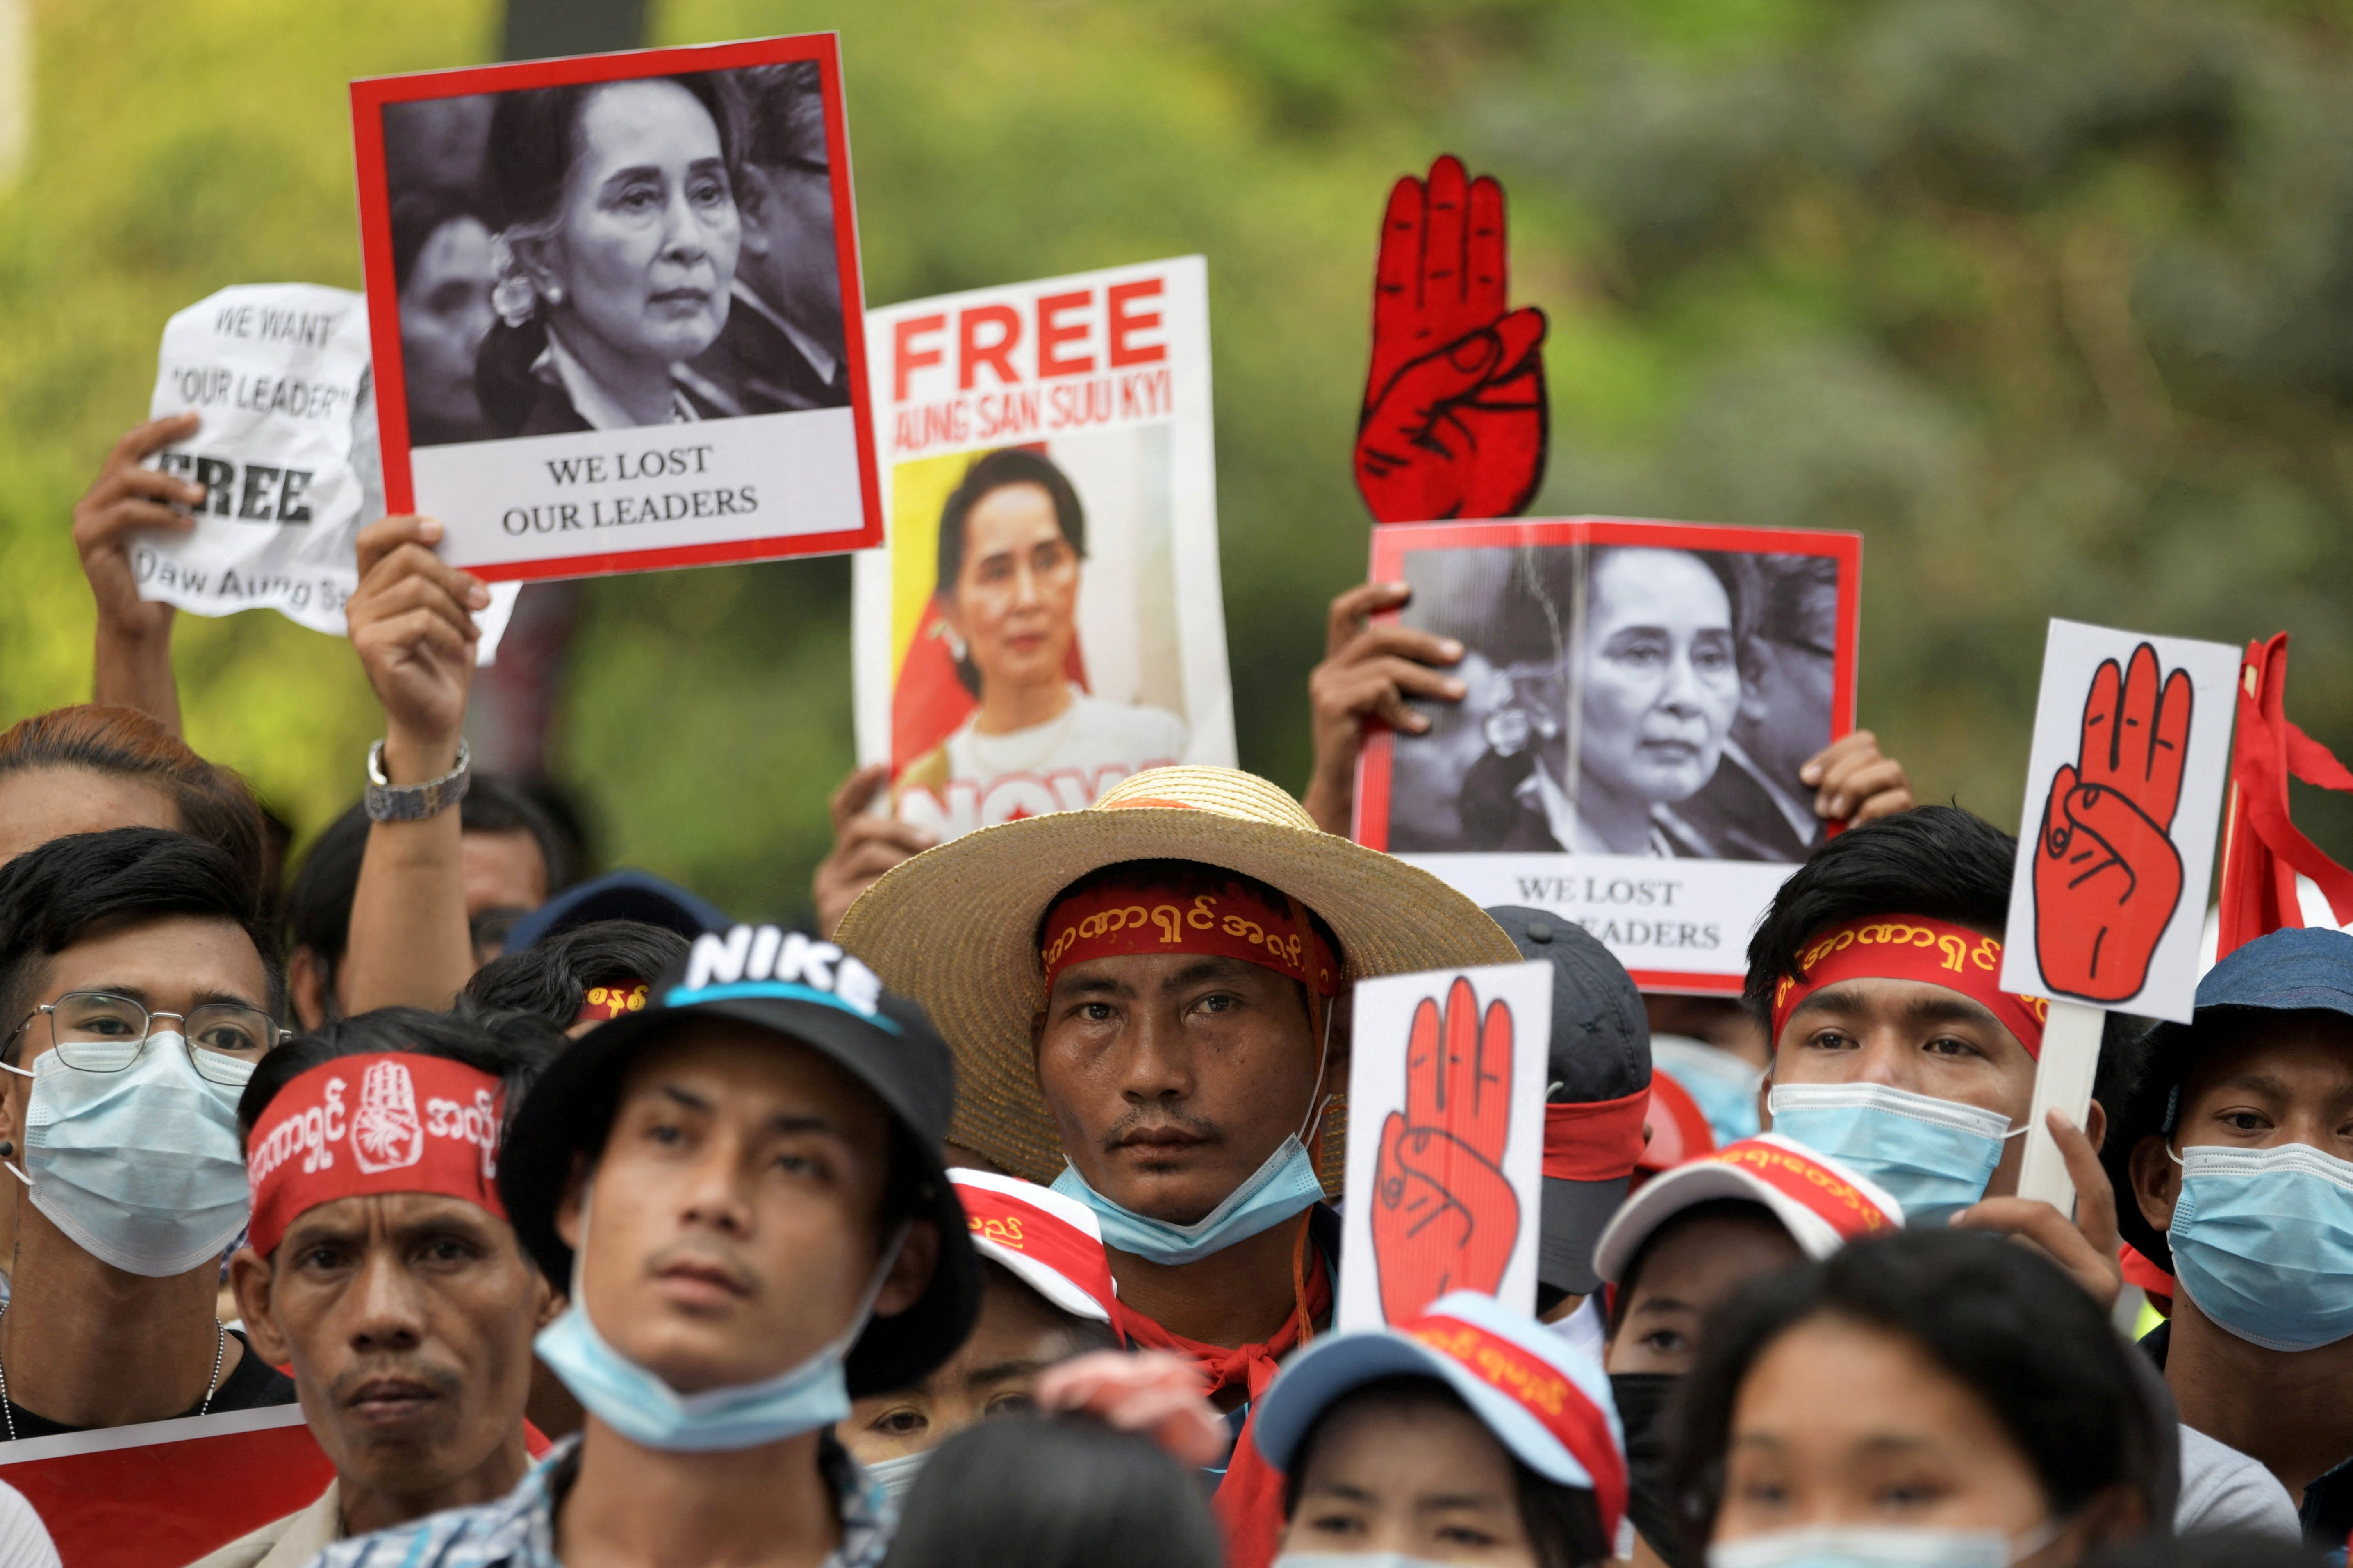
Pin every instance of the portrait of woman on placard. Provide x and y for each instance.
(1011, 548)
(615, 255)
(1652, 669)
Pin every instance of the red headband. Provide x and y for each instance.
(603, 1002)
(1114, 919)
(1913, 947)
(1594, 1142)
(1558, 1405)
(418, 1124)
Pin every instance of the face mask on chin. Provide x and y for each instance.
(636, 1402)
(1283, 1185)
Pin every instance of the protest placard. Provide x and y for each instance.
(1445, 1173)
(287, 452)
(162, 1494)
(1046, 618)
(1641, 697)
(2123, 794)
(614, 304)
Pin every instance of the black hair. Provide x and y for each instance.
(1007, 466)
(511, 1045)
(319, 902)
(1630, 1279)
(783, 115)
(2222, 1548)
(1563, 1522)
(552, 976)
(213, 803)
(1719, 566)
(418, 214)
(1054, 1493)
(51, 896)
(533, 139)
(1933, 860)
(2005, 1323)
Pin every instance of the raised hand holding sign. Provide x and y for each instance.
(2107, 876)
(1446, 1087)
(1454, 421)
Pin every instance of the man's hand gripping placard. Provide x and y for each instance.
(2108, 875)
(1444, 1215)
(1454, 421)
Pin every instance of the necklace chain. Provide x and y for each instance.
(220, 1353)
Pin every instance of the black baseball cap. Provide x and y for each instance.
(807, 992)
(1600, 1052)
(2291, 970)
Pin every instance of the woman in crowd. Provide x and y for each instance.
(1468, 1434)
(1012, 537)
(618, 234)
(1937, 1397)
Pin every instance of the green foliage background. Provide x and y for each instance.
(2053, 301)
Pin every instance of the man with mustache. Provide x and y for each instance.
(380, 1264)
(1143, 998)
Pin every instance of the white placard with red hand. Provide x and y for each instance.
(1446, 1089)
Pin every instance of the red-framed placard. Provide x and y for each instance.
(796, 468)
(1677, 901)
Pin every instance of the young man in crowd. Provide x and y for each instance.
(139, 998)
(1142, 998)
(2233, 1167)
(394, 1287)
(742, 1184)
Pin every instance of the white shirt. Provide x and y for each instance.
(2222, 1489)
(1060, 765)
(24, 1540)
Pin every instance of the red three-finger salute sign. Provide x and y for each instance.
(2124, 791)
(1446, 1093)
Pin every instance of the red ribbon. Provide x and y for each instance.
(1595, 1142)
(391, 1122)
(1913, 947)
(2263, 852)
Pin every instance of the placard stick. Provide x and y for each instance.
(2063, 1081)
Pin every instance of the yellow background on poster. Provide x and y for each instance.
(918, 490)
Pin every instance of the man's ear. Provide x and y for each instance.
(306, 988)
(911, 1271)
(250, 1280)
(2156, 1181)
(753, 199)
(552, 1302)
(2095, 1125)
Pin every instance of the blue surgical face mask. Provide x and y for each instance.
(895, 1476)
(142, 1168)
(1863, 1546)
(1933, 1156)
(640, 1406)
(1286, 1185)
(1723, 1085)
(2262, 1241)
(1356, 1560)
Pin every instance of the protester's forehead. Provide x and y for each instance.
(1416, 1423)
(1743, 1237)
(2302, 1054)
(393, 1220)
(163, 959)
(750, 1071)
(1837, 1381)
(41, 804)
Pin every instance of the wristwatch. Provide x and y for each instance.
(388, 802)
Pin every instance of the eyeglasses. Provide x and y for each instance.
(490, 930)
(98, 1031)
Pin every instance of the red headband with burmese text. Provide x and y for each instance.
(1121, 917)
(393, 1122)
(1913, 947)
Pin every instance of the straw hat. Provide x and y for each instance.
(956, 928)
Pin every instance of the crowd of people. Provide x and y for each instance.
(994, 1221)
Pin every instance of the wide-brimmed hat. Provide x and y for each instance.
(956, 928)
(804, 993)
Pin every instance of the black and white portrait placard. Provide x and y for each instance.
(615, 306)
(1640, 697)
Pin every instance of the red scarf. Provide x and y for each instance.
(1249, 1500)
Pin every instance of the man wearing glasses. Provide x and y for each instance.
(138, 997)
